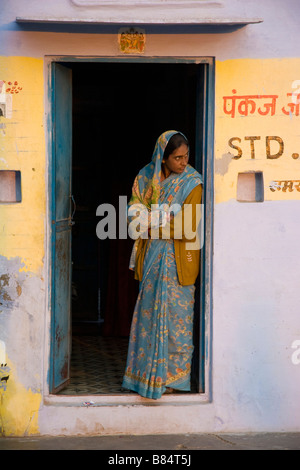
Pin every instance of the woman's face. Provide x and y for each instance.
(177, 160)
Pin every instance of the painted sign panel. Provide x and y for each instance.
(257, 127)
(132, 41)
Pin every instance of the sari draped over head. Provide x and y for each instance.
(161, 344)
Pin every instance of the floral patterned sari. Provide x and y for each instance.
(161, 338)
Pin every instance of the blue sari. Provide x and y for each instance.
(161, 338)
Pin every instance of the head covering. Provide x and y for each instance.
(148, 190)
(146, 187)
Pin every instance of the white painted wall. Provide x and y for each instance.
(275, 37)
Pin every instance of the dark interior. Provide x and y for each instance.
(119, 110)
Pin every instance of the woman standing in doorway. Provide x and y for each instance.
(161, 338)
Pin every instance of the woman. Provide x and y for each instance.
(161, 338)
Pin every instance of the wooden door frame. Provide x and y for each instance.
(206, 268)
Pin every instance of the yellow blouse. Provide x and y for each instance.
(187, 247)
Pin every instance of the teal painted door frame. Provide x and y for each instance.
(61, 227)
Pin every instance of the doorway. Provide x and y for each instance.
(118, 111)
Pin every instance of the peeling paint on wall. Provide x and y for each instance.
(222, 164)
(10, 284)
(21, 327)
(22, 148)
(22, 244)
(19, 410)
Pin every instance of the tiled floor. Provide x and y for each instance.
(97, 365)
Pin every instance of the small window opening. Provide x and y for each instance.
(10, 186)
(250, 187)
